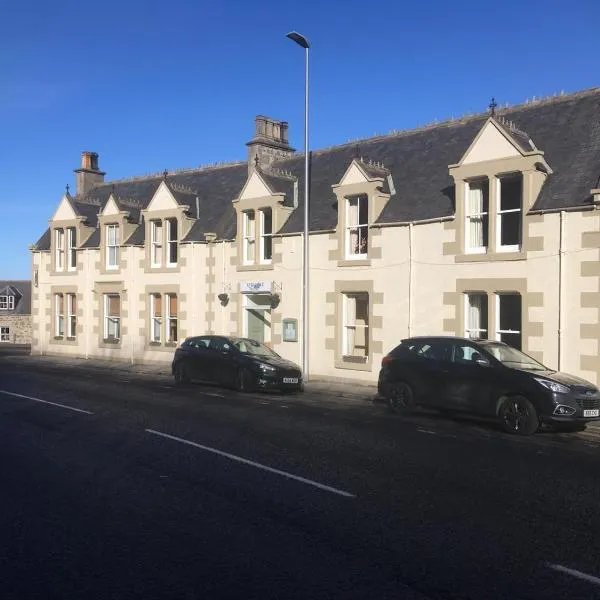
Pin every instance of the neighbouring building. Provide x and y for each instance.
(483, 226)
(15, 312)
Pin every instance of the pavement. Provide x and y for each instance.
(117, 484)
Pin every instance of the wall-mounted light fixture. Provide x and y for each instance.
(275, 300)
(223, 299)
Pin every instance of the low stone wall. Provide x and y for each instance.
(19, 328)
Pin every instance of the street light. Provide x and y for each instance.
(302, 41)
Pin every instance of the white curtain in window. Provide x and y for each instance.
(474, 317)
(475, 218)
(350, 324)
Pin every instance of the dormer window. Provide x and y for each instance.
(477, 216)
(172, 242)
(357, 227)
(7, 302)
(510, 200)
(156, 243)
(249, 241)
(59, 249)
(266, 235)
(71, 248)
(112, 246)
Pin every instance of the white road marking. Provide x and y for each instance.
(245, 461)
(87, 412)
(212, 394)
(575, 573)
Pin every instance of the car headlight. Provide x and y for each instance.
(553, 386)
(267, 368)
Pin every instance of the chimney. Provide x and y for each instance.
(88, 175)
(269, 144)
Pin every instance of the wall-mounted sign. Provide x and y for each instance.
(255, 287)
(290, 330)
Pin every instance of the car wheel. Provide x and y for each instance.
(181, 376)
(518, 415)
(400, 397)
(243, 381)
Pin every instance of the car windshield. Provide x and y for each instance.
(511, 357)
(253, 347)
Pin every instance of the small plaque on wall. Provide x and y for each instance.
(290, 330)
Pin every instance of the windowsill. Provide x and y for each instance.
(71, 338)
(112, 268)
(171, 345)
(58, 337)
(255, 267)
(491, 256)
(354, 363)
(154, 344)
(354, 262)
(113, 341)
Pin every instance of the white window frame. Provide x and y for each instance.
(169, 318)
(156, 322)
(347, 326)
(249, 236)
(363, 246)
(500, 213)
(108, 318)
(7, 303)
(71, 248)
(59, 249)
(4, 334)
(156, 245)
(71, 316)
(172, 242)
(113, 242)
(470, 216)
(478, 330)
(499, 331)
(264, 236)
(59, 315)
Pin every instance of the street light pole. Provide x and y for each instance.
(303, 42)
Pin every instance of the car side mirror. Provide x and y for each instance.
(483, 362)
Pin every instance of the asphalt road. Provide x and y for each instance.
(118, 485)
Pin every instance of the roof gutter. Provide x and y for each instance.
(547, 211)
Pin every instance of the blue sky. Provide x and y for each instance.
(154, 85)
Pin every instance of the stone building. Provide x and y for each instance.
(15, 312)
(484, 226)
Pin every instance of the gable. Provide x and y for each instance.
(353, 175)
(162, 199)
(490, 144)
(255, 188)
(111, 207)
(65, 211)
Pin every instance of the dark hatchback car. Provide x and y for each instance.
(241, 363)
(486, 378)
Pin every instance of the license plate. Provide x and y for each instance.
(591, 413)
(295, 380)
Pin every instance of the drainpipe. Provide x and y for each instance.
(410, 277)
(561, 287)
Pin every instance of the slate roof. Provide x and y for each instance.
(566, 128)
(21, 290)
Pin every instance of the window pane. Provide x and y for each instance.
(114, 306)
(249, 218)
(363, 212)
(156, 305)
(172, 229)
(267, 221)
(512, 339)
(172, 305)
(510, 192)
(157, 231)
(510, 229)
(172, 330)
(510, 312)
(352, 212)
(477, 316)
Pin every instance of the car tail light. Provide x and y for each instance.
(386, 360)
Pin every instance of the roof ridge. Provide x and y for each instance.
(161, 174)
(454, 121)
